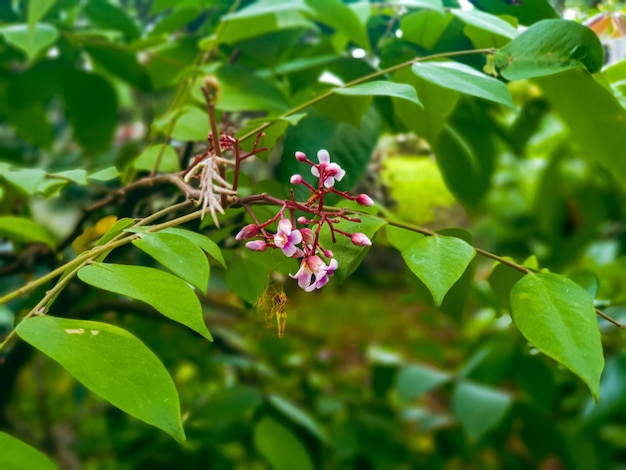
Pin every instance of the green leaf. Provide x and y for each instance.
(527, 12)
(439, 262)
(244, 91)
(169, 158)
(168, 294)
(27, 179)
(19, 36)
(191, 124)
(179, 255)
(464, 79)
(121, 62)
(280, 446)
(549, 47)
(37, 9)
(349, 110)
(18, 455)
(558, 317)
(112, 363)
(381, 88)
(343, 19)
(424, 28)
(478, 408)
(297, 415)
(602, 138)
(485, 21)
(231, 403)
(414, 380)
(202, 241)
(24, 230)
(106, 15)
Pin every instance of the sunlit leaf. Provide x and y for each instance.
(381, 88)
(112, 363)
(202, 241)
(18, 35)
(558, 317)
(485, 21)
(168, 294)
(17, 455)
(24, 230)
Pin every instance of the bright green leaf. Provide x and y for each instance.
(464, 79)
(280, 446)
(168, 294)
(112, 363)
(439, 262)
(558, 317)
(17, 455)
(169, 158)
(549, 47)
(179, 255)
(343, 19)
(27, 179)
(381, 88)
(414, 380)
(37, 9)
(478, 408)
(19, 36)
(202, 241)
(192, 124)
(485, 21)
(24, 230)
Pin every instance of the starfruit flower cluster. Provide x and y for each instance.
(299, 224)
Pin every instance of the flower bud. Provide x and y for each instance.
(301, 156)
(256, 245)
(249, 231)
(360, 239)
(307, 236)
(328, 254)
(296, 179)
(364, 200)
(302, 220)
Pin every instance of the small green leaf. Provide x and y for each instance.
(381, 88)
(192, 124)
(439, 262)
(179, 255)
(343, 19)
(231, 403)
(297, 415)
(464, 79)
(202, 241)
(485, 21)
(558, 317)
(26, 179)
(549, 47)
(18, 35)
(415, 380)
(478, 408)
(280, 446)
(24, 230)
(168, 294)
(112, 363)
(17, 455)
(169, 158)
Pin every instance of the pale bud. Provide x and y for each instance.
(301, 156)
(249, 231)
(360, 239)
(256, 245)
(302, 220)
(307, 236)
(328, 254)
(296, 179)
(364, 200)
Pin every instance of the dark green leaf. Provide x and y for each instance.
(106, 15)
(479, 408)
(527, 12)
(121, 62)
(24, 230)
(297, 415)
(343, 19)
(231, 403)
(612, 391)
(549, 47)
(424, 28)
(558, 317)
(17, 455)
(415, 380)
(179, 255)
(439, 262)
(112, 363)
(464, 79)
(381, 88)
(18, 35)
(280, 446)
(168, 294)
(244, 91)
(349, 110)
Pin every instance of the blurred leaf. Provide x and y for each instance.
(485, 21)
(549, 47)
(464, 79)
(558, 317)
(37, 9)
(27, 180)
(381, 88)
(424, 28)
(612, 391)
(280, 446)
(112, 363)
(438, 261)
(24, 230)
(343, 19)
(232, 402)
(115, 230)
(202, 241)
(168, 62)
(527, 12)
(414, 380)
(169, 162)
(91, 234)
(191, 124)
(19, 36)
(296, 415)
(178, 19)
(479, 408)
(168, 294)
(106, 15)
(346, 109)
(18, 455)
(600, 138)
(244, 91)
(121, 62)
(179, 255)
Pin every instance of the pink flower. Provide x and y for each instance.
(307, 236)
(287, 239)
(360, 239)
(256, 245)
(314, 266)
(330, 172)
(364, 200)
(249, 231)
(301, 156)
(296, 179)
